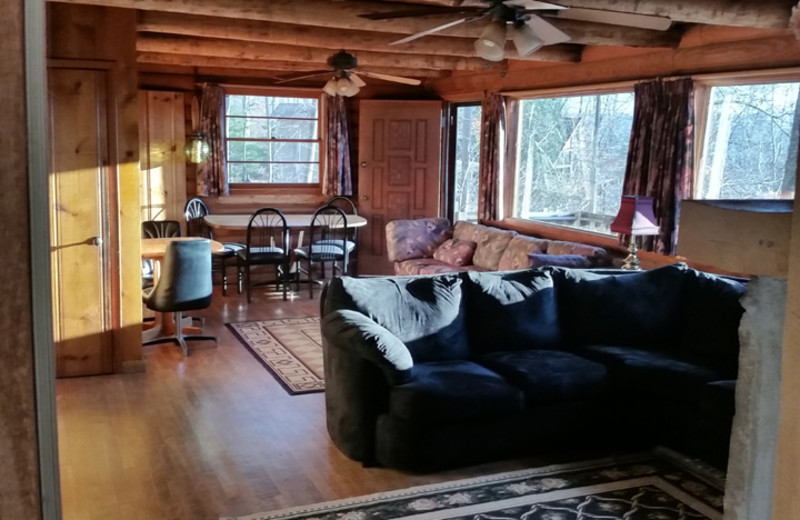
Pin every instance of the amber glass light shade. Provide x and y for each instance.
(196, 149)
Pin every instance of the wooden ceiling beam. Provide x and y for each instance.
(293, 34)
(767, 14)
(221, 48)
(278, 66)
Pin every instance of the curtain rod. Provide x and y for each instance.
(711, 77)
(260, 87)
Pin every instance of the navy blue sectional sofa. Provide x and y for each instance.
(426, 372)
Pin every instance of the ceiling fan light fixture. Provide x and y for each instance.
(330, 87)
(525, 40)
(346, 87)
(492, 41)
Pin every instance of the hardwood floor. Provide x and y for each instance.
(210, 435)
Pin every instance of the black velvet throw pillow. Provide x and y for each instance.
(514, 310)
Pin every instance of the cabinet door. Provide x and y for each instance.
(399, 171)
(82, 255)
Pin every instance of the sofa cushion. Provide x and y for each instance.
(406, 239)
(710, 316)
(455, 252)
(491, 244)
(372, 342)
(464, 230)
(453, 391)
(425, 313)
(514, 310)
(634, 308)
(516, 253)
(560, 247)
(547, 376)
(653, 372)
(425, 266)
(573, 261)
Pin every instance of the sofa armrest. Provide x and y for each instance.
(358, 333)
(407, 239)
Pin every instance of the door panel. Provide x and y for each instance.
(399, 171)
(79, 232)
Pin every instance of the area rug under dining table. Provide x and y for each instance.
(290, 348)
(661, 485)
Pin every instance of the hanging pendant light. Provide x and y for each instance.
(492, 41)
(196, 149)
(330, 87)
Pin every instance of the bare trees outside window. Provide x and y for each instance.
(467, 156)
(571, 163)
(272, 139)
(750, 145)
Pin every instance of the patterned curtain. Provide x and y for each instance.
(493, 126)
(338, 177)
(660, 157)
(212, 179)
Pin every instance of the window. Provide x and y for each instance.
(571, 159)
(750, 144)
(465, 156)
(272, 139)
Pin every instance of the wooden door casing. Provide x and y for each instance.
(399, 158)
(84, 263)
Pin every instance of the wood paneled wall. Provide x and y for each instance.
(19, 492)
(162, 163)
(79, 32)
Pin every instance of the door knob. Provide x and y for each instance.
(363, 164)
(364, 197)
(96, 241)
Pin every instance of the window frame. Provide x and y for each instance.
(257, 188)
(511, 179)
(702, 101)
(451, 113)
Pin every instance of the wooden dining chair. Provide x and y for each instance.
(267, 244)
(349, 207)
(327, 243)
(193, 213)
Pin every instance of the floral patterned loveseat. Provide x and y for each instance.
(433, 246)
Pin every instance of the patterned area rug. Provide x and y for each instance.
(290, 348)
(655, 486)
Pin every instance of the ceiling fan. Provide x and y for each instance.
(529, 28)
(345, 82)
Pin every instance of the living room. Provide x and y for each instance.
(288, 435)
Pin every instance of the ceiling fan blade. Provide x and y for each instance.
(358, 81)
(438, 28)
(642, 21)
(547, 32)
(389, 77)
(534, 5)
(305, 76)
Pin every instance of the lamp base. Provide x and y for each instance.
(632, 261)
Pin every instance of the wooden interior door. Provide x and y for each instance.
(399, 171)
(82, 255)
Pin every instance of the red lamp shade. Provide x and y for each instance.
(635, 217)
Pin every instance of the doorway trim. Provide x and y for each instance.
(38, 170)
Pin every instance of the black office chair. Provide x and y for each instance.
(267, 244)
(193, 212)
(327, 244)
(184, 285)
(349, 207)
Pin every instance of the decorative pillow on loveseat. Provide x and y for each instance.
(455, 252)
(574, 261)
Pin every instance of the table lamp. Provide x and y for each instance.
(635, 218)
